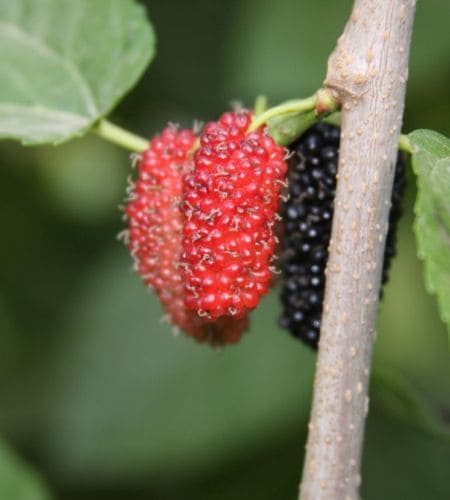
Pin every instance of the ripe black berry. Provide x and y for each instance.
(307, 218)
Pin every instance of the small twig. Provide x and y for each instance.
(368, 72)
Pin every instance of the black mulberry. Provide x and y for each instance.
(307, 218)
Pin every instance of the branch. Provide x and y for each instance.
(368, 71)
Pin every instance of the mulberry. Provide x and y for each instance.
(155, 223)
(307, 219)
(231, 200)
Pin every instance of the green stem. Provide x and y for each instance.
(404, 144)
(119, 136)
(260, 105)
(288, 107)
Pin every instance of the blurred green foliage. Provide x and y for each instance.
(17, 480)
(97, 393)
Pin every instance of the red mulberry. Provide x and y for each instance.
(155, 223)
(231, 197)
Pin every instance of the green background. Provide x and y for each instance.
(96, 393)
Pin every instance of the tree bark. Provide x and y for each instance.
(367, 71)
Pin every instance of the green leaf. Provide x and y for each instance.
(17, 480)
(431, 163)
(65, 64)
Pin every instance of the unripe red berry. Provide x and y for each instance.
(231, 198)
(155, 223)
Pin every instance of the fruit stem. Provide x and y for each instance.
(322, 102)
(120, 136)
(260, 105)
(288, 107)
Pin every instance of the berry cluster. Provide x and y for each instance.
(231, 198)
(155, 223)
(307, 228)
(201, 230)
